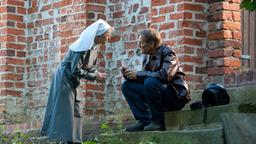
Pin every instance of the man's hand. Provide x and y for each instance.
(131, 74)
(100, 77)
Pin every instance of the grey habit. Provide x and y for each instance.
(62, 120)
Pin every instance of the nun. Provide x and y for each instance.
(63, 120)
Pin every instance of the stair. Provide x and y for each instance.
(183, 127)
(205, 136)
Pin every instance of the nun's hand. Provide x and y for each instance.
(100, 77)
(131, 74)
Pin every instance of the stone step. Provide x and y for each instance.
(181, 118)
(195, 136)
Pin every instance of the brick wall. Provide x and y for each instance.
(128, 17)
(224, 43)
(12, 60)
(183, 25)
(35, 35)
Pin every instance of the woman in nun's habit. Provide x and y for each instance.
(62, 120)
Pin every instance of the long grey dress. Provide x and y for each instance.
(62, 119)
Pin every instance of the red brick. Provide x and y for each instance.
(170, 42)
(115, 39)
(158, 2)
(232, 43)
(144, 10)
(232, 62)
(91, 104)
(201, 70)
(66, 3)
(94, 87)
(190, 41)
(15, 61)
(231, 6)
(10, 76)
(219, 70)
(227, 16)
(237, 53)
(220, 53)
(15, 3)
(236, 16)
(13, 17)
(11, 93)
(11, 9)
(185, 15)
(20, 85)
(15, 46)
(21, 10)
(215, 7)
(166, 26)
(6, 84)
(98, 1)
(190, 24)
(118, 14)
(187, 68)
(3, 9)
(7, 53)
(166, 9)
(193, 59)
(227, 25)
(184, 32)
(154, 12)
(201, 34)
(21, 25)
(201, 16)
(20, 54)
(7, 68)
(220, 35)
(32, 10)
(45, 8)
(95, 8)
(192, 7)
(177, 1)
(202, 1)
(158, 19)
(14, 31)
(236, 35)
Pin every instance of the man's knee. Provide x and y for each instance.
(150, 83)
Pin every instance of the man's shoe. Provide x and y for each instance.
(139, 126)
(153, 126)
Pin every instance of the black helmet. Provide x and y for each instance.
(215, 94)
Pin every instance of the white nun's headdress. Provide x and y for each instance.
(86, 39)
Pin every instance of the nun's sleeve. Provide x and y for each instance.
(76, 67)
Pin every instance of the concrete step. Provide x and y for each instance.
(195, 136)
(182, 118)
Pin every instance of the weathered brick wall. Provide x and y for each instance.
(183, 25)
(224, 43)
(35, 35)
(12, 61)
(128, 18)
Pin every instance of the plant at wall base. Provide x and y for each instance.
(106, 128)
(3, 137)
(89, 142)
(249, 5)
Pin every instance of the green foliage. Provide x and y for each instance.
(249, 5)
(151, 140)
(89, 142)
(105, 128)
